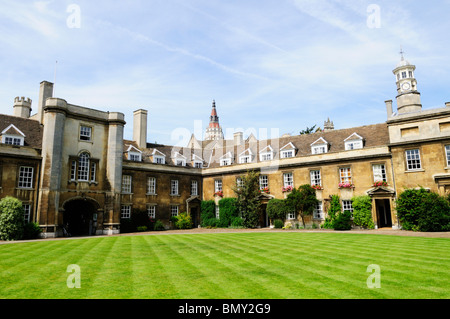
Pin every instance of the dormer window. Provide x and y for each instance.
(353, 142)
(246, 157)
(197, 161)
(320, 146)
(226, 160)
(158, 157)
(288, 151)
(13, 136)
(134, 154)
(266, 154)
(179, 159)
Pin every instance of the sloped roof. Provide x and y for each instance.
(32, 129)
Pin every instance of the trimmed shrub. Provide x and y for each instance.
(278, 223)
(237, 222)
(11, 219)
(362, 212)
(159, 226)
(421, 210)
(410, 208)
(343, 221)
(183, 221)
(227, 211)
(31, 231)
(208, 213)
(142, 228)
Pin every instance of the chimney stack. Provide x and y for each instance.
(45, 92)
(389, 108)
(238, 138)
(22, 107)
(140, 128)
(447, 104)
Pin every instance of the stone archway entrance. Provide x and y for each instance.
(80, 217)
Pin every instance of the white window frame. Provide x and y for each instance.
(316, 177)
(26, 174)
(263, 181)
(151, 211)
(319, 149)
(13, 140)
(288, 179)
(174, 210)
(157, 159)
(135, 156)
(318, 211)
(290, 215)
(151, 185)
(379, 173)
(245, 159)
(413, 160)
(345, 175)
(287, 154)
(85, 133)
(217, 212)
(347, 205)
(174, 187)
(83, 167)
(26, 212)
(198, 164)
(353, 145)
(126, 184)
(93, 171)
(266, 156)
(194, 188)
(218, 186)
(225, 162)
(125, 211)
(447, 154)
(239, 182)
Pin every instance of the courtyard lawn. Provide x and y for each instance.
(291, 265)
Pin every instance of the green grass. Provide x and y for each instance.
(228, 266)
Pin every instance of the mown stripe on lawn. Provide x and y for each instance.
(281, 282)
(30, 279)
(395, 273)
(310, 276)
(233, 282)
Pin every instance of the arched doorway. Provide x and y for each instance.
(80, 217)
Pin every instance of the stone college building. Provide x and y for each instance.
(71, 166)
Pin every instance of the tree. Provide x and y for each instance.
(362, 211)
(277, 209)
(303, 201)
(308, 130)
(11, 219)
(248, 202)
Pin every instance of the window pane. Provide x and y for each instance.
(218, 185)
(125, 211)
(25, 177)
(316, 178)
(83, 167)
(263, 181)
(151, 211)
(174, 187)
(413, 159)
(379, 173)
(151, 185)
(85, 133)
(126, 184)
(288, 179)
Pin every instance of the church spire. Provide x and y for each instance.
(214, 131)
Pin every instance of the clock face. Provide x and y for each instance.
(406, 86)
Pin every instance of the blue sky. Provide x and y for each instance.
(279, 65)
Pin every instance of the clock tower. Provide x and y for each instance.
(408, 98)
